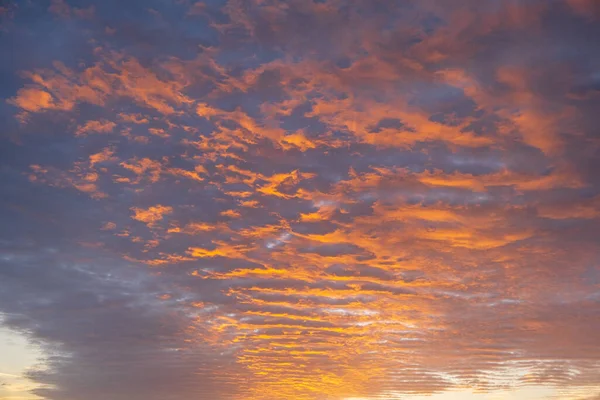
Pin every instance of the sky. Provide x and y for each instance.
(299, 200)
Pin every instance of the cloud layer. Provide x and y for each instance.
(303, 200)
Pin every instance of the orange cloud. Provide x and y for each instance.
(33, 99)
(151, 215)
(102, 126)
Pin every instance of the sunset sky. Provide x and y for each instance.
(300, 200)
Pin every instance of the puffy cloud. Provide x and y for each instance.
(151, 215)
(95, 127)
(32, 99)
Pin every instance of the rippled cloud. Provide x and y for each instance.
(302, 199)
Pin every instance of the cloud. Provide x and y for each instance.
(152, 214)
(302, 200)
(62, 9)
(62, 88)
(32, 99)
(96, 127)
